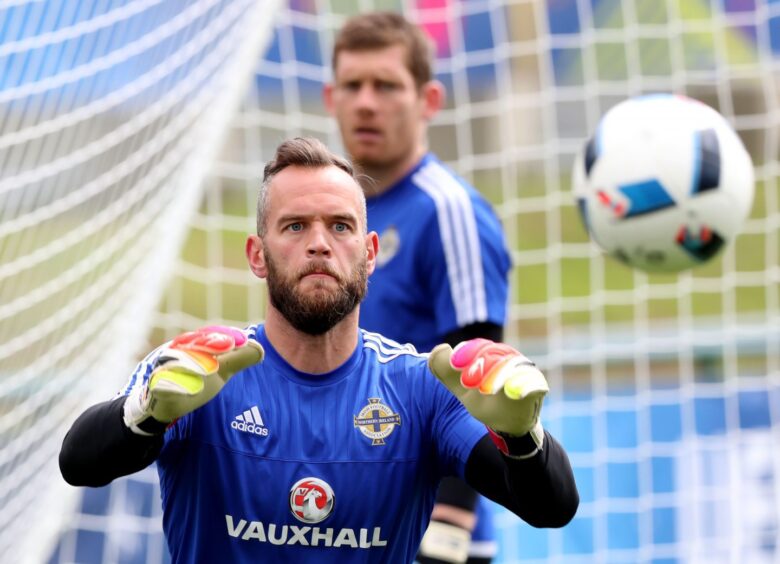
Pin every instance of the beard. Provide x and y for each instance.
(319, 310)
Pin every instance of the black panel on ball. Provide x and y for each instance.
(591, 154)
(709, 162)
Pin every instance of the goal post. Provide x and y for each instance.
(110, 114)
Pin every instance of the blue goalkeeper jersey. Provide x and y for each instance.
(442, 262)
(284, 466)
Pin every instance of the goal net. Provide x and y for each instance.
(664, 388)
(109, 115)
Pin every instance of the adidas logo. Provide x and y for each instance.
(250, 422)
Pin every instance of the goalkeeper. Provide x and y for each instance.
(306, 439)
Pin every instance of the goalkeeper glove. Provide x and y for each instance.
(500, 387)
(188, 372)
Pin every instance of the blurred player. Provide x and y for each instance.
(441, 273)
(306, 439)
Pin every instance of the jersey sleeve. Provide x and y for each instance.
(466, 263)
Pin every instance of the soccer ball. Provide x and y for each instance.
(664, 184)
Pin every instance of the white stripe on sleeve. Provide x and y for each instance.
(460, 240)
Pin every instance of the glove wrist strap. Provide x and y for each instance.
(149, 426)
(519, 447)
(138, 420)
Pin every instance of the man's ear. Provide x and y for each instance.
(255, 256)
(434, 95)
(327, 97)
(372, 248)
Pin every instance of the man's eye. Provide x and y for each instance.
(341, 227)
(386, 86)
(295, 227)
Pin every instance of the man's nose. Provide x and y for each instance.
(318, 242)
(366, 97)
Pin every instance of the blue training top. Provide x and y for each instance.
(442, 262)
(284, 466)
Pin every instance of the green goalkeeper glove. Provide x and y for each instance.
(500, 387)
(189, 371)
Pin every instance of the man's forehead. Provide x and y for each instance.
(298, 184)
(328, 177)
(392, 58)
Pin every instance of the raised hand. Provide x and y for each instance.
(497, 384)
(189, 371)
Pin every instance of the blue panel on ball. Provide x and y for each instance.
(645, 197)
(706, 167)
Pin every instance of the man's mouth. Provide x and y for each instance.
(367, 133)
(319, 273)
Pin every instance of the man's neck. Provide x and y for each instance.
(313, 354)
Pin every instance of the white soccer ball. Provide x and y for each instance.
(664, 184)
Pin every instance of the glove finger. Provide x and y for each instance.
(193, 361)
(239, 337)
(210, 340)
(465, 352)
(175, 381)
(489, 359)
(527, 381)
(174, 393)
(498, 375)
(240, 358)
(504, 370)
(439, 364)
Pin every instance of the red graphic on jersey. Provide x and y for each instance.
(311, 500)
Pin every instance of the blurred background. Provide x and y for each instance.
(132, 139)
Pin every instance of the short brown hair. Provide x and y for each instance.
(378, 30)
(305, 152)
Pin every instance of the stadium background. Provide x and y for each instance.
(664, 388)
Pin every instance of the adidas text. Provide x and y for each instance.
(249, 428)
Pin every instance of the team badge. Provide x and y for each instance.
(389, 243)
(311, 500)
(377, 421)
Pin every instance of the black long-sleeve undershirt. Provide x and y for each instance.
(541, 490)
(99, 447)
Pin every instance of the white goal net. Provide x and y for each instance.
(665, 389)
(110, 112)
